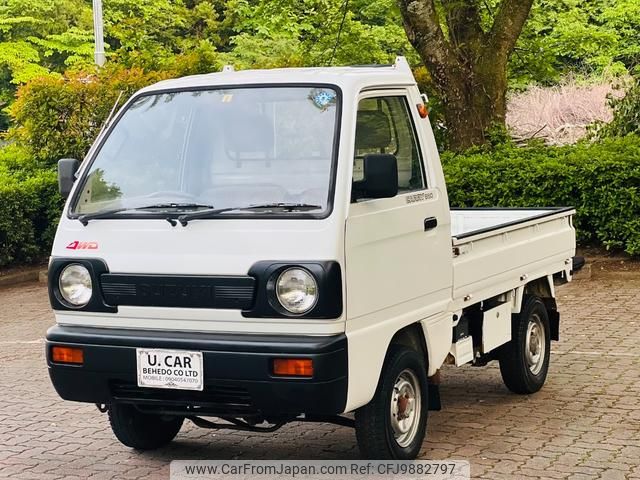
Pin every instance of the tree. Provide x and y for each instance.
(595, 40)
(269, 33)
(466, 49)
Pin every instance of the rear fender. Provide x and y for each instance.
(544, 289)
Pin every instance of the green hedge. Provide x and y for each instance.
(602, 180)
(29, 212)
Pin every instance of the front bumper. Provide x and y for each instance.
(237, 372)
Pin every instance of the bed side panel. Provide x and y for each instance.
(498, 263)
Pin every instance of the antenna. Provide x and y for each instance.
(228, 68)
(110, 116)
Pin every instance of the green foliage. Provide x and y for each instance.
(600, 37)
(17, 162)
(626, 115)
(149, 33)
(56, 34)
(38, 37)
(58, 117)
(71, 48)
(29, 212)
(22, 59)
(601, 180)
(286, 33)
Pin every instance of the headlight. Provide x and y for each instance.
(75, 285)
(297, 290)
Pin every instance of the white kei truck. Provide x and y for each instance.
(245, 249)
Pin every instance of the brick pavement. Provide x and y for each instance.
(584, 424)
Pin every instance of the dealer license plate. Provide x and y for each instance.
(177, 369)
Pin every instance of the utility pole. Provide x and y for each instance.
(98, 33)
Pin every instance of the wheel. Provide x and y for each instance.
(393, 424)
(524, 361)
(140, 430)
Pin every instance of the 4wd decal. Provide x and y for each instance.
(76, 245)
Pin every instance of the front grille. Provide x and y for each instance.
(241, 293)
(118, 289)
(178, 291)
(214, 399)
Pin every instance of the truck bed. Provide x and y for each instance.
(496, 250)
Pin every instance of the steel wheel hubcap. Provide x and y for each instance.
(535, 345)
(406, 404)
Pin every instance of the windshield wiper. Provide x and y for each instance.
(290, 207)
(212, 212)
(178, 205)
(84, 219)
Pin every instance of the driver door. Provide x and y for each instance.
(398, 250)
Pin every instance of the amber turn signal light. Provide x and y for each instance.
(423, 111)
(293, 367)
(67, 355)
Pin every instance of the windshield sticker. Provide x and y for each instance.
(323, 98)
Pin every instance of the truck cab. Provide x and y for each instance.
(247, 249)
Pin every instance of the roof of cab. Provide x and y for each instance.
(358, 77)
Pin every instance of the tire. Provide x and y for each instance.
(140, 430)
(524, 365)
(377, 439)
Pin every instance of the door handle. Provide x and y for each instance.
(430, 223)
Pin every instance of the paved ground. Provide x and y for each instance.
(584, 424)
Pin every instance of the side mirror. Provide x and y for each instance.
(67, 168)
(380, 177)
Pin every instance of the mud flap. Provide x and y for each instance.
(434, 397)
(554, 324)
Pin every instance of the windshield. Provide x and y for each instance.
(232, 148)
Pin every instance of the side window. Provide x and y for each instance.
(384, 125)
